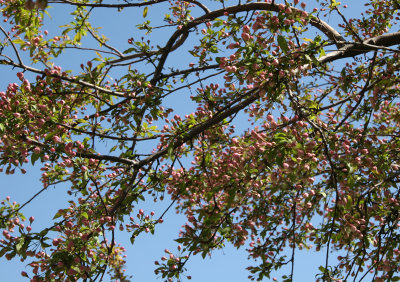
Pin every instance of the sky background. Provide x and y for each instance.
(226, 265)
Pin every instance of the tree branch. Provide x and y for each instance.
(371, 44)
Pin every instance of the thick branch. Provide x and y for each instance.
(195, 131)
(371, 44)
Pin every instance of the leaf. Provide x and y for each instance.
(226, 230)
(50, 135)
(85, 215)
(322, 53)
(12, 254)
(19, 41)
(145, 11)
(57, 215)
(44, 245)
(20, 244)
(349, 201)
(132, 239)
(171, 150)
(182, 240)
(81, 121)
(3, 251)
(43, 233)
(130, 50)
(283, 44)
(34, 158)
(85, 175)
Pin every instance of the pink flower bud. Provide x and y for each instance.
(24, 274)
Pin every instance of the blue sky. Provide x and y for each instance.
(226, 265)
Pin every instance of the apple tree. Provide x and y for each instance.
(273, 126)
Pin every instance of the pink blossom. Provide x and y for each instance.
(20, 75)
(246, 36)
(56, 139)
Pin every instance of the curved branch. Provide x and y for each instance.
(104, 43)
(13, 45)
(203, 7)
(371, 44)
(329, 31)
(150, 53)
(125, 5)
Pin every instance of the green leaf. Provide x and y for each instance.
(12, 254)
(57, 215)
(85, 175)
(81, 120)
(132, 239)
(19, 41)
(44, 245)
(322, 53)
(43, 233)
(85, 215)
(34, 158)
(145, 11)
(50, 135)
(283, 44)
(3, 251)
(130, 50)
(349, 201)
(171, 150)
(182, 240)
(20, 244)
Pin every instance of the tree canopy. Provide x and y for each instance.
(272, 126)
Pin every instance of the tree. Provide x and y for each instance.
(317, 165)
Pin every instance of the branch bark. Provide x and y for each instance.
(371, 44)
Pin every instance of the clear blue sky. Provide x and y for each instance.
(226, 265)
